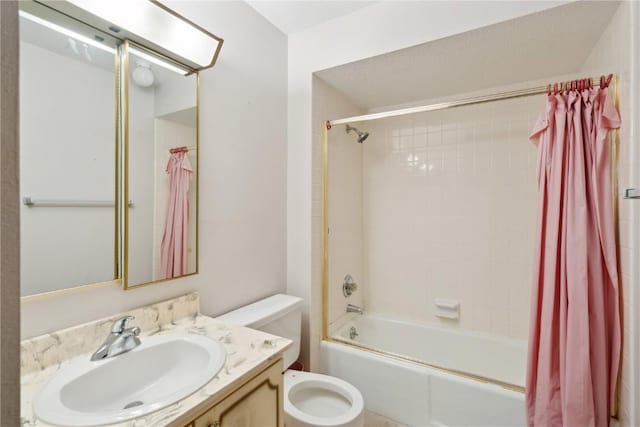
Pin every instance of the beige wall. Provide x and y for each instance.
(9, 218)
(242, 180)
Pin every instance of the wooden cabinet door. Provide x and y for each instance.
(259, 403)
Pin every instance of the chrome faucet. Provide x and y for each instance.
(354, 309)
(120, 340)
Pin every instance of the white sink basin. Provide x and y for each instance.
(159, 372)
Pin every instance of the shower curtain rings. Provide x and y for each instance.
(609, 79)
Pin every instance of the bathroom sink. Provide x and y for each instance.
(159, 372)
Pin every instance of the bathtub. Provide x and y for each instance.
(420, 395)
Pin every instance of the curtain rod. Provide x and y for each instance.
(595, 81)
(183, 148)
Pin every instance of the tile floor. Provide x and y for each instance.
(371, 419)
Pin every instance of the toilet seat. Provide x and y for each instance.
(296, 383)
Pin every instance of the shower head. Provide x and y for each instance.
(361, 135)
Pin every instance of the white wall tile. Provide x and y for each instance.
(612, 55)
(449, 212)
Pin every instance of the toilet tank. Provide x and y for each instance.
(277, 315)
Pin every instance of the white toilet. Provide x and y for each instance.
(310, 400)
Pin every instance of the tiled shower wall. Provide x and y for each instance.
(345, 180)
(345, 211)
(408, 262)
(612, 55)
(449, 211)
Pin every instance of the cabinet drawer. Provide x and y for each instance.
(258, 403)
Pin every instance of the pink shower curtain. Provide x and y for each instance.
(173, 250)
(574, 338)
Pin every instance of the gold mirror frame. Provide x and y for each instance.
(123, 103)
(52, 15)
(121, 167)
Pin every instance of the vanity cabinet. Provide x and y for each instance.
(256, 403)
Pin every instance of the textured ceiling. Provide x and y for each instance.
(543, 45)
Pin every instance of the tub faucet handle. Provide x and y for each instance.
(349, 286)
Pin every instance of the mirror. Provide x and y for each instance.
(160, 106)
(108, 155)
(67, 152)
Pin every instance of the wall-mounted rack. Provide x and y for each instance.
(56, 203)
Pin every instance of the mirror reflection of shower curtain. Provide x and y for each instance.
(174, 246)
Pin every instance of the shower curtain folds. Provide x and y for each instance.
(574, 339)
(174, 247)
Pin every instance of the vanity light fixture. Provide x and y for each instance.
(66, 32)
(151, 24)
(154, 59)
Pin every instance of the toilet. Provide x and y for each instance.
(310, 400)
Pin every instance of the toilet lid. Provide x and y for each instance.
(320, 399)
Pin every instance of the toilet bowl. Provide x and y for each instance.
(310, 400)
(315, 400)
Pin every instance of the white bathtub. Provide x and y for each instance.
(488, 356)
(419, 395)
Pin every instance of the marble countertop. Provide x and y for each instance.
(246, 348)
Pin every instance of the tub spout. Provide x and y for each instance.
(354, 309)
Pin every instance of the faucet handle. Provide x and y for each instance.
(121, 324)
(135, 331)
(349, 286)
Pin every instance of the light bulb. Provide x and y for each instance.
(142, 75)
